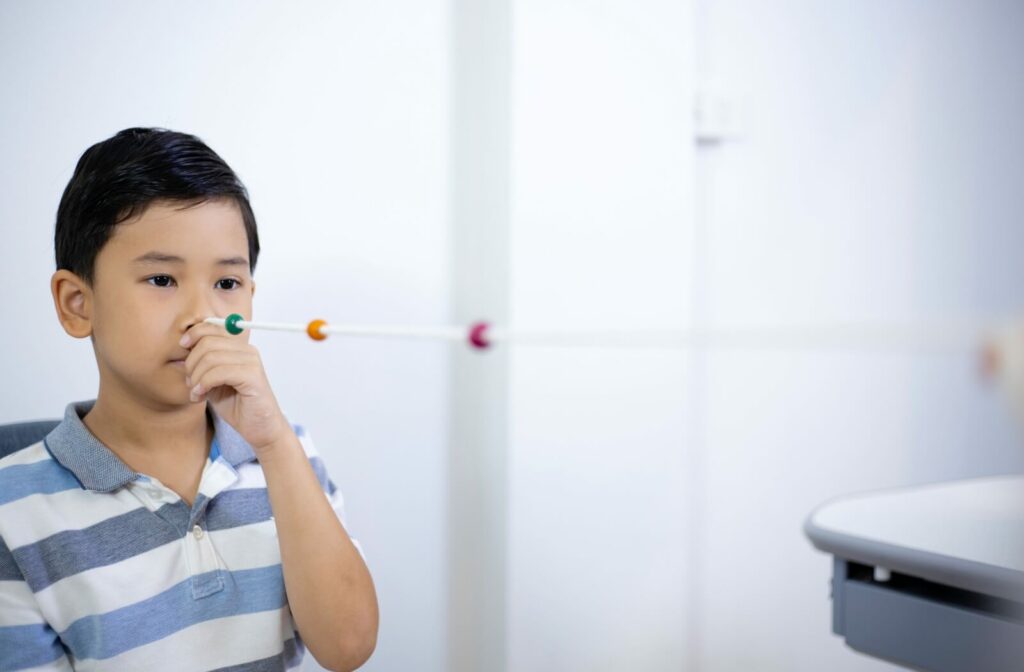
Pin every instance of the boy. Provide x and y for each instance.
(178, 521)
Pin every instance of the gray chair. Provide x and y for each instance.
(18, 435)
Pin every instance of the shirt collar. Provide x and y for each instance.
(97, 468)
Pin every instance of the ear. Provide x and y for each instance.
(72, 297)
(253, 285)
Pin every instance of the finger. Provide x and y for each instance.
(200, 329)
(241, 377)
(210, 359)
(206, 345)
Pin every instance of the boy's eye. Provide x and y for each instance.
(166, 280)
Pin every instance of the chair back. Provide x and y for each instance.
(18, 435)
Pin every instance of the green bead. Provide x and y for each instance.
(230, 323)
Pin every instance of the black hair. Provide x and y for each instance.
(117, 178)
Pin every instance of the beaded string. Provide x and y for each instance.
(482, 335)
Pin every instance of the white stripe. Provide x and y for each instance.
(307, 444)
(78, 509)
(29, 455)
(17, 605)
(39, 516)
(211, 644)
(250, 476)
(217, 477)
(359, 547)
(104, 589)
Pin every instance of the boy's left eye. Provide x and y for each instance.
(165, 280)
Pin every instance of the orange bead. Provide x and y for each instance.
(313, 329)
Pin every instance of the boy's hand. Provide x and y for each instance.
(227, 371)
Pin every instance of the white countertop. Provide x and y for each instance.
(968, 534)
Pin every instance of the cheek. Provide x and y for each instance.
(129, 328)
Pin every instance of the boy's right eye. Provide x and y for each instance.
(161, 280)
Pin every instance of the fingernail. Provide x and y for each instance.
(184, 341)
(198, 389)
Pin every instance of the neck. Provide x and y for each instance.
(139, 431)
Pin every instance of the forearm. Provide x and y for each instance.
(330, 591)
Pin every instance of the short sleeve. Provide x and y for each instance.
(327, 484)
(27, 642)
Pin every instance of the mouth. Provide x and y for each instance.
(177, 362)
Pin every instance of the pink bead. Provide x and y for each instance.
(476, 335)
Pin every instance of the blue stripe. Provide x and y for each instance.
(24, 646)
(321, 472)
(45, 477)
(106, 635)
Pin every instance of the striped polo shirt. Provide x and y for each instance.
(104, 568)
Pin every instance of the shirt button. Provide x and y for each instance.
(197, 532)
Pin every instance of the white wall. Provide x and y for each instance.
(656, 501)
(601, 236)
(335, 117)
(877, 180)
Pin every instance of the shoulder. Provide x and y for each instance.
(314, 457)
(36, 496)
(27, 455)
(32, 470)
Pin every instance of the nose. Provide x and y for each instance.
(192, 321)
(198, 308)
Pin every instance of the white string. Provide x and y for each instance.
(936, 338)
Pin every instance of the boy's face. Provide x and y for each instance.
(143, 299)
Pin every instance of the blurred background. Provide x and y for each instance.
(630, 164)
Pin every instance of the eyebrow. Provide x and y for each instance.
(163, 258)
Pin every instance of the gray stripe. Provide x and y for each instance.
(199, 507)
(177, 515)
(286, 660)
(67, 553)
(121, 537)
(233, 508)
(8, 568)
